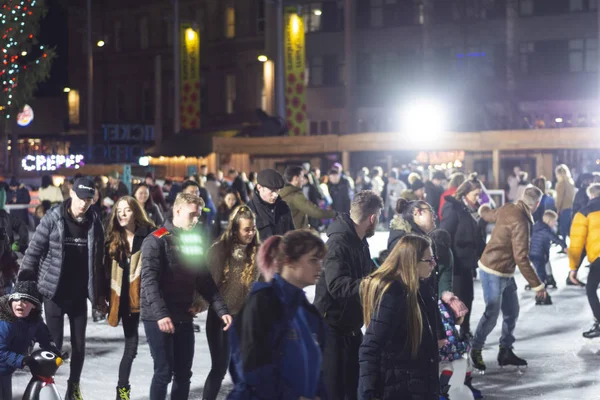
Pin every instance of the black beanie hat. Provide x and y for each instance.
(416, 185)
(26, 290)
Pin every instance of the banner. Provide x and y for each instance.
(294, 73)
(190, 77)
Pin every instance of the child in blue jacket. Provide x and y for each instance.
(20, 324)
(542, 238)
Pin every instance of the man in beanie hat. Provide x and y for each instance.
(273, 216)
(20, 324)
(416, 191)
(65, 257)
(18, 194)
(12, 226)
(115, 188)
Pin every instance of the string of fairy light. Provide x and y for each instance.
(13, 16)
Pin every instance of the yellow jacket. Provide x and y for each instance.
(585, 234)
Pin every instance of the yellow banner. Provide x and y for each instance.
(294, 73)
(190, 77)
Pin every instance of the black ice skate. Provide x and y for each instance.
(550, 282)
(594, 332)
(576, 282)
(477, 360)
(543, 301)
(507, 357)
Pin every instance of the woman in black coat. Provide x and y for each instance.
(231, 199)
(399, 353)
(142, 195)
(461, 219)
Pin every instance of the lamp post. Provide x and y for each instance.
(90, 81)
(176, 69)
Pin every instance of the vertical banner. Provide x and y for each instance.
(190, 77)
(295, 100)
(126, 178)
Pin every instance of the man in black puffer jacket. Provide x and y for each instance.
(171, 281)
(64, 258)
(337, 298)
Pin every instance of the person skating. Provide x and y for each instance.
(65, 257)
(277, 338)
(585, 239)
(232, 261)
(542, 238)
(273, 215)
(128, 226)
(152, 210)
(508, 248)
(337, 298)
(171, 280)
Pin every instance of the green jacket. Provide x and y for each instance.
(302, 208)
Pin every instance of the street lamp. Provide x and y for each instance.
(262, 58)
(100, 43)
(425, 118)
(67, 90)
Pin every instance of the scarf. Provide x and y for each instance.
(472, 209)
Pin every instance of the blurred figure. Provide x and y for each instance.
(416, 191)
(231, 200)
(238, 184)
(456, 179)
(49, 192)
(581, 197)
(340, 191)
(115, 188)
(377, 183)
(522, 184)
(156, 192)
(172, 189)
(513, 182)
(434, 189)
(13, 226)
(214, 188)
(142, 195)
(363, 181)
(547, 202)
(565, 195)
(18, 194)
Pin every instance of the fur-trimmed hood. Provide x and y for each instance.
(399, 227)
(398, 223)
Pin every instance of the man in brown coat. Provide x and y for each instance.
(301, 207)
(507, 249)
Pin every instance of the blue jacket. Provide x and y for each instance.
(277, 341)
(541, 239)
(16, 334)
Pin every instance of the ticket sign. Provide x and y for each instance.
(52, 162)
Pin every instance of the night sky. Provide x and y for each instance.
(54, 33)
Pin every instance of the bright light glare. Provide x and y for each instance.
(424, 117)
(318, 12)
(144, 161)
(23, 53)
(190, 34)
(100, 43)
(67, 89)
(263, 58)
(558, 120)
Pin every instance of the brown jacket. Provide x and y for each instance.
(565, 194)
(509, 244)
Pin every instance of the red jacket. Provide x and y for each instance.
(449, 192)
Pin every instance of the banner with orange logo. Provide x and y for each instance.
(190, 77)
(295, 54)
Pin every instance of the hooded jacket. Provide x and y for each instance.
(16, 335)
(43, 260)
(277, 342)
(541, 239)
(302, 208)
(271, 219)
(509, 245)
(347, 262)
(585, 234)
(169, 287)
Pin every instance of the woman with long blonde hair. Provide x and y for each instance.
(233, 267)
(128, 226)
(399, 353)
(565, 196)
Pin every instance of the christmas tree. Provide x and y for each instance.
(25, 62)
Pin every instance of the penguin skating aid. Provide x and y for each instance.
(43, 368)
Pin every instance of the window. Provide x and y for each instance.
(376, 13)
(143, 25)
(230, 92)
(147, 103)
(526, 7)
(315, 75)
(312, 14)
(335, 127)
(314, 128)
(230, 22)
(575, 5)
(118, 28)
(331, 70)
(260, 17)
(324, 128)
(525, 51)
(583, 55)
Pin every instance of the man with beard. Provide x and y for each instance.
(347, 262)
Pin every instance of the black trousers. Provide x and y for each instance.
(76, 310)
(220, 355)
(340, 364)
(130, 322)
(591, 288)
(462, 286)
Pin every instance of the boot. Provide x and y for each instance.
(594, 332)
(476, 392)
(445, 395)
(124, 392)
(73, 391)
(477, 360)
(507, 357)
(545, 301)
(550, 282)
(576, 283)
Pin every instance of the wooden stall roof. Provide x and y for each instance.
(540, 139)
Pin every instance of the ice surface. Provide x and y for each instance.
(562, 364)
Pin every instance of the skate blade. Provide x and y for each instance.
(479, 371)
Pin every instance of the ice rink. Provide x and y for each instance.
(562, 364)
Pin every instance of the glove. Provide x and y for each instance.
(15, 247)
(27, 361)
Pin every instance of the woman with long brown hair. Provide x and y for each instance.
(128, 226)
(233, 266)
(399, 353)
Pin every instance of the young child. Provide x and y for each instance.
(539, 252)
(454, 349)
(20, 324)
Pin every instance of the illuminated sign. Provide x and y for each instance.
(25, 117)
(51, 163)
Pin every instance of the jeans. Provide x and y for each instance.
(220, 355)
(173, 356)
(591, 288)
(76, 310)
(130, 322)
(340, 364)
(564, 222)
(499, 294)
(6, 387)
(540, 268)
(462, 286)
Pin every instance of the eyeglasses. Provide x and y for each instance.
(430, 261)
(421, 209)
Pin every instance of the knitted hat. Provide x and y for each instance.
(416, 185)
(26, 290)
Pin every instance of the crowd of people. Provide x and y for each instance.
(244, 248)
